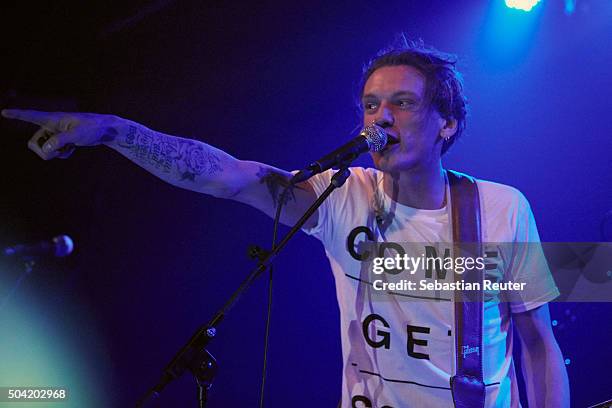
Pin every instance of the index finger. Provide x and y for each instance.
(45, 119)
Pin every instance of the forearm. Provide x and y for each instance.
(545, 375)
(186, 163)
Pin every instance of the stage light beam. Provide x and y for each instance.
(525, 5)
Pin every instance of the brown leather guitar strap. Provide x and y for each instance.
(467, 385)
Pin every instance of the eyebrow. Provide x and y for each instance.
(395, 95)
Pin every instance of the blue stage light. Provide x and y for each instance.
(507, 34)
(525, 5)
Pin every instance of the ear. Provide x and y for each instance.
(448, 128)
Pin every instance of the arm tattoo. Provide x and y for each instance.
(187, 157)
(277, 186)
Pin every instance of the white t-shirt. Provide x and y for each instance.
(401, 354)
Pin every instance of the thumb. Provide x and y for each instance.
(61, 140)
(78, 136)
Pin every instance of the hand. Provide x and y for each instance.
(60, 132)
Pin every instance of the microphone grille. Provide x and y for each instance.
(375, 136)
(63, 245)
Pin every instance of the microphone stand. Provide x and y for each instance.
(193, 356)
(28, 266)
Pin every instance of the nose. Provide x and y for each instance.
(384, 117)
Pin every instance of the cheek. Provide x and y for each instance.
(411, 120)
(421, 124)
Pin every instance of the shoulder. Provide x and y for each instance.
(346, 207)
(506, 213)
(365, 176)
(361, 180)
(497, 194)
(362, 175)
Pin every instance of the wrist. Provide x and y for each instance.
(118, 132)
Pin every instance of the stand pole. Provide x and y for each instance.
(193, 355)
(28, 266)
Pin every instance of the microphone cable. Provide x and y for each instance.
(279, 206)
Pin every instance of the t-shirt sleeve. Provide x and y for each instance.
(319, 183)
(528, 264)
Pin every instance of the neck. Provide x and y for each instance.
(422, 188)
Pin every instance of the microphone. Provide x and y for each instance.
(59, 246)
(372, 138)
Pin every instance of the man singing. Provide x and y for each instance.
(395, 353)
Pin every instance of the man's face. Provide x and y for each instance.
(394, 98)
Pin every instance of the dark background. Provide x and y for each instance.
(273, 82)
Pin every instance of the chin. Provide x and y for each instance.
(391, 164)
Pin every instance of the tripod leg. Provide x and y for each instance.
(202, 394)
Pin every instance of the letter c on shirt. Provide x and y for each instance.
(352, 237)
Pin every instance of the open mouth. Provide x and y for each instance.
(391, 140)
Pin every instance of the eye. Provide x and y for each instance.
(370, 106)
(406, 103)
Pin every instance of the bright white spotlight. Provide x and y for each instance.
(525, 5)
